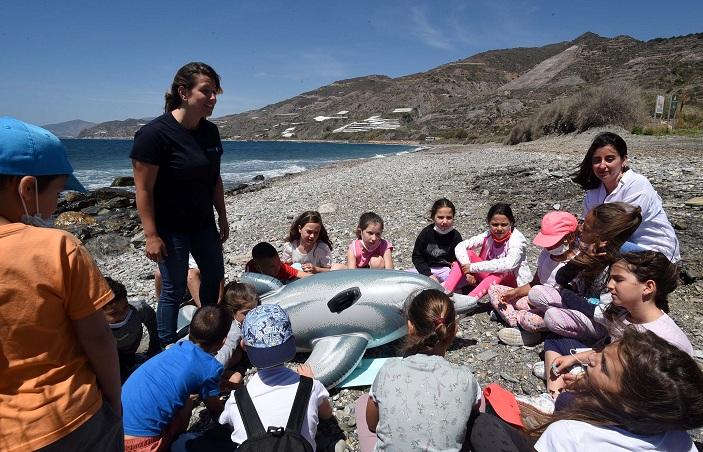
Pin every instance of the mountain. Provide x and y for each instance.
(481, 97)
(114, 129)
(68, 129)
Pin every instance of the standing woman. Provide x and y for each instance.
(176, 162)
(606, 176)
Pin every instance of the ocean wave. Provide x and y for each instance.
(238, 177)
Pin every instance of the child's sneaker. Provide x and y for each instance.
(539, 371)
(535, 410)
(516, 337)
(542, 402)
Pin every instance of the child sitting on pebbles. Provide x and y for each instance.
(239, 299)
(370, 250)
(267, 338)
(126, 321)
(156, 397)
(501, 257)
(308, 247)
(516, 306)
(265, 260)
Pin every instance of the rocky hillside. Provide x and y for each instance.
(69, 129)
(480, 97)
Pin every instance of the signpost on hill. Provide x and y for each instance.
(673, 103)
(659, 108)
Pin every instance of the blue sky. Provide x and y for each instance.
(98, 61)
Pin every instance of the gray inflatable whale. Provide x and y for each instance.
(337, 315)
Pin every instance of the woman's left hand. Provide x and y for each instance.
(223, 225)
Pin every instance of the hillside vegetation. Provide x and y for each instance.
(499, 95)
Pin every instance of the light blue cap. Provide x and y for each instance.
(268, 336)
(29, 150)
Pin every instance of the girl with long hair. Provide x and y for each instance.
(638, 393)
(308, 244)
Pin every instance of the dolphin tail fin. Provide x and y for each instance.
(333, 358)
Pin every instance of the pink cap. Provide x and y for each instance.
(555, 225)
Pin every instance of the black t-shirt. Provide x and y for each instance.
(434, 250)
(189, 165)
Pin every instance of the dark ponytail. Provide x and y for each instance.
(432, 315)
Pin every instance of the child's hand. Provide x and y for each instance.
(308, 267)
(466, 268)
(561, 365)
(508, 295)
(305, 371)
(570, 379)
(471, 279)
(596, 249)
(230, 381)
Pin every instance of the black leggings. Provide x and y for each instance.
(490, 434)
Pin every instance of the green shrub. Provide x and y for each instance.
(617, 104)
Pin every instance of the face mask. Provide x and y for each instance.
(443, 231)
(500, 241)
(128, 333)
(558, 251)
(36, 219)
(117, 325)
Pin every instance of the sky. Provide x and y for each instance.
(100, 61)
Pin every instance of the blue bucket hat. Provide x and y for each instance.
(268, 336)
(29, 150)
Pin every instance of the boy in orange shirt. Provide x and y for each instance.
(58, 357)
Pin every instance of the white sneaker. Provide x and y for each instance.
(539, 371)
(542, 402)
(515, 336)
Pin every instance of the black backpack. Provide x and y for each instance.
(275, 439)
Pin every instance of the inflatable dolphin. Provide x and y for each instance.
(338, 315)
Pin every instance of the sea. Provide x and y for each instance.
(97, 163)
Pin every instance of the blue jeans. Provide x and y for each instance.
(206, 249)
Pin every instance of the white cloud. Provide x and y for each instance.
(426, 32)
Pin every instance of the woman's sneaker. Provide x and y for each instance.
(515, 336)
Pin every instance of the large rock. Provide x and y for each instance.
(74, 201)
(123, 181)
(104, 194)
(118, 202)
(108, 245)
(67, 219)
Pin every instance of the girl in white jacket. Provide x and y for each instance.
(497, 256)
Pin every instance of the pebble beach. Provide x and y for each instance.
(532, 177)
